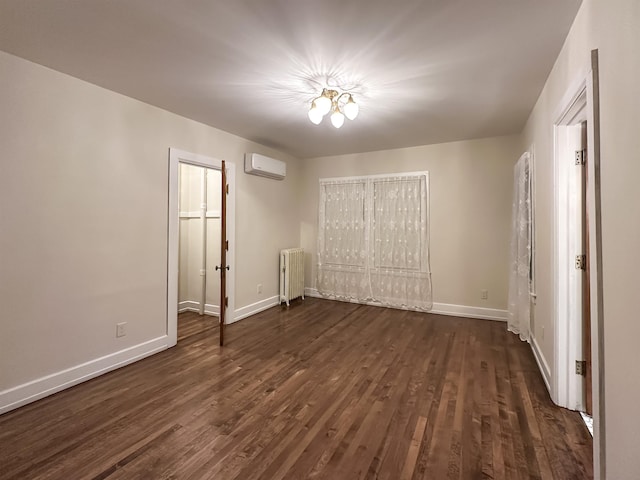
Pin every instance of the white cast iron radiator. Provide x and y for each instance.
(291, 274)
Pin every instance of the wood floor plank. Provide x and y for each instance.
(412, 454)
(320, 390)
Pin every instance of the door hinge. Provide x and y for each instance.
(580, 157)
(226, 301)
(227, 189)
(581, 262)
(226, 245)
(581, 367)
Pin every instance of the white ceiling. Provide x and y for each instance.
(423, 72)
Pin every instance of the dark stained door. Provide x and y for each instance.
(223, 252)
(586, 287)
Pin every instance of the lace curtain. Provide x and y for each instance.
(373, 240)
(520, 275)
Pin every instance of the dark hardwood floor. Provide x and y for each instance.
(320, 390)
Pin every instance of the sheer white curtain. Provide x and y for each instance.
(373, 240)
(343, 238)
(520, 275)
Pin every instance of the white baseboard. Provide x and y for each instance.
(543, 366)
(191, 306)
(36, 389)
(240, 313)
(254, 308)
(481, 313)
(444, 309)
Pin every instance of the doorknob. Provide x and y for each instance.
(219, 267)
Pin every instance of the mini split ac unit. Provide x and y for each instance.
(256, 164)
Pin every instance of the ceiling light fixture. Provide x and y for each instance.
(339, 104)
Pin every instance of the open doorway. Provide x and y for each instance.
(199, 229)
(200, 251)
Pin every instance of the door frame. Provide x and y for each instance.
(569, 387)
(583, 95)
(176, 157)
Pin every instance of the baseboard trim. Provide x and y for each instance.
(191, 306)
(240, 313)
(254, 308)
(543, 366)
(20, 395)
(443, 309)
(481, 313)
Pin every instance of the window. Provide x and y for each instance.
(373, 240)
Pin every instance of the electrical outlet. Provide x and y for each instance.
(121, 329)
(484, 294)
(259, 288)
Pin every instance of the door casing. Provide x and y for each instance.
(176, 157)
(582, 95)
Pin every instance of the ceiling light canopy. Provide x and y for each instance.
(339, 104)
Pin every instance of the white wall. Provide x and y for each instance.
(539, 133)
(471, 185)
(613, 27)
(83, 195)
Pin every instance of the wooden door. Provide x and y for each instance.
(586, 288)
(224, 246)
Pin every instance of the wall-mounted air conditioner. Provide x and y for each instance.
(256, 164)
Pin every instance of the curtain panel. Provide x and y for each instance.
(373, 240)
(520, 274)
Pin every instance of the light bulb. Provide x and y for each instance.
(337, 118)
(323, 104)
(351, 108)
(314, 114)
